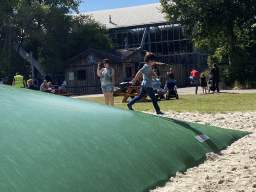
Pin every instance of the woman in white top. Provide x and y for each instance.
(107, 78)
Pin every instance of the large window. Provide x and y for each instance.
(81, 75)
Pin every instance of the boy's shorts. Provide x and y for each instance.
(107, 88)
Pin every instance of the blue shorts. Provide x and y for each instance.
(107, 88)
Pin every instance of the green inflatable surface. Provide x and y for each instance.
(55, 143)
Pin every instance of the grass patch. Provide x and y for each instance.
(210, 103)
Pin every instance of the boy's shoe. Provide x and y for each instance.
(129, 106)
(159, 113)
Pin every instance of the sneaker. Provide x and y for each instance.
(159, 113)
(129, 106)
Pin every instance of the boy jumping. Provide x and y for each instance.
(147, 83)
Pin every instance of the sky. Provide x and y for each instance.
(96, 5)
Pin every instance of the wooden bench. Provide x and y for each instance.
(130, 94)
(67, 94)
(121, 94)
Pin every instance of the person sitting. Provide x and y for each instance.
(44, 86)
(49, 85)
(171, 87)
(63, 86)
(170, 78)
(170, 73)
(40, 81)
(7, 82)
(48, 79)
(30, 85)
(157, 88)
(2, 81)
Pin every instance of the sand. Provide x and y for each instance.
(233, 169)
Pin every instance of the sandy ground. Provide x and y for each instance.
(233, 169)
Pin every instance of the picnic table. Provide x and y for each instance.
(62, 92)
(58, 92)
(130, 93)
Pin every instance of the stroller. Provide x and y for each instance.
(210, 85)
(171, 88)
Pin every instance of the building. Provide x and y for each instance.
(139, 28)
(80, 71)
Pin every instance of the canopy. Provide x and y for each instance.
(55, 143)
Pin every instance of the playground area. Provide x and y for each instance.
(233, 169)
(56, 142)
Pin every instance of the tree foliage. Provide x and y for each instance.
(225, 27)
(212, 18)
(47, 28)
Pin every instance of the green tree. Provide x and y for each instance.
(33, 17)
(225, 27)
(212, 20)
(87, 33)
(46, 28)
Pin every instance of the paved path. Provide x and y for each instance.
(186, 91)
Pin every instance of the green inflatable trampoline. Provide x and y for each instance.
(55, 143)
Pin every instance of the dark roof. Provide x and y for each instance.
(119, 56)
(103, 53)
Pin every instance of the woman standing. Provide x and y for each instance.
(107, 78)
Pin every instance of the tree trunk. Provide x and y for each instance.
(231, 43)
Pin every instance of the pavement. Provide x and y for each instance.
(184, 91)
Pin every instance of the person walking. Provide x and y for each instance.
(18, 81)
(216, 77)
(203, 83)
(194, 77)
(147, 83)
(107, 78)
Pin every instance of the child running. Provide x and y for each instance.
(147, 83)
(203, 83)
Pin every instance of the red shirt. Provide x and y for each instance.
(195, 73)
